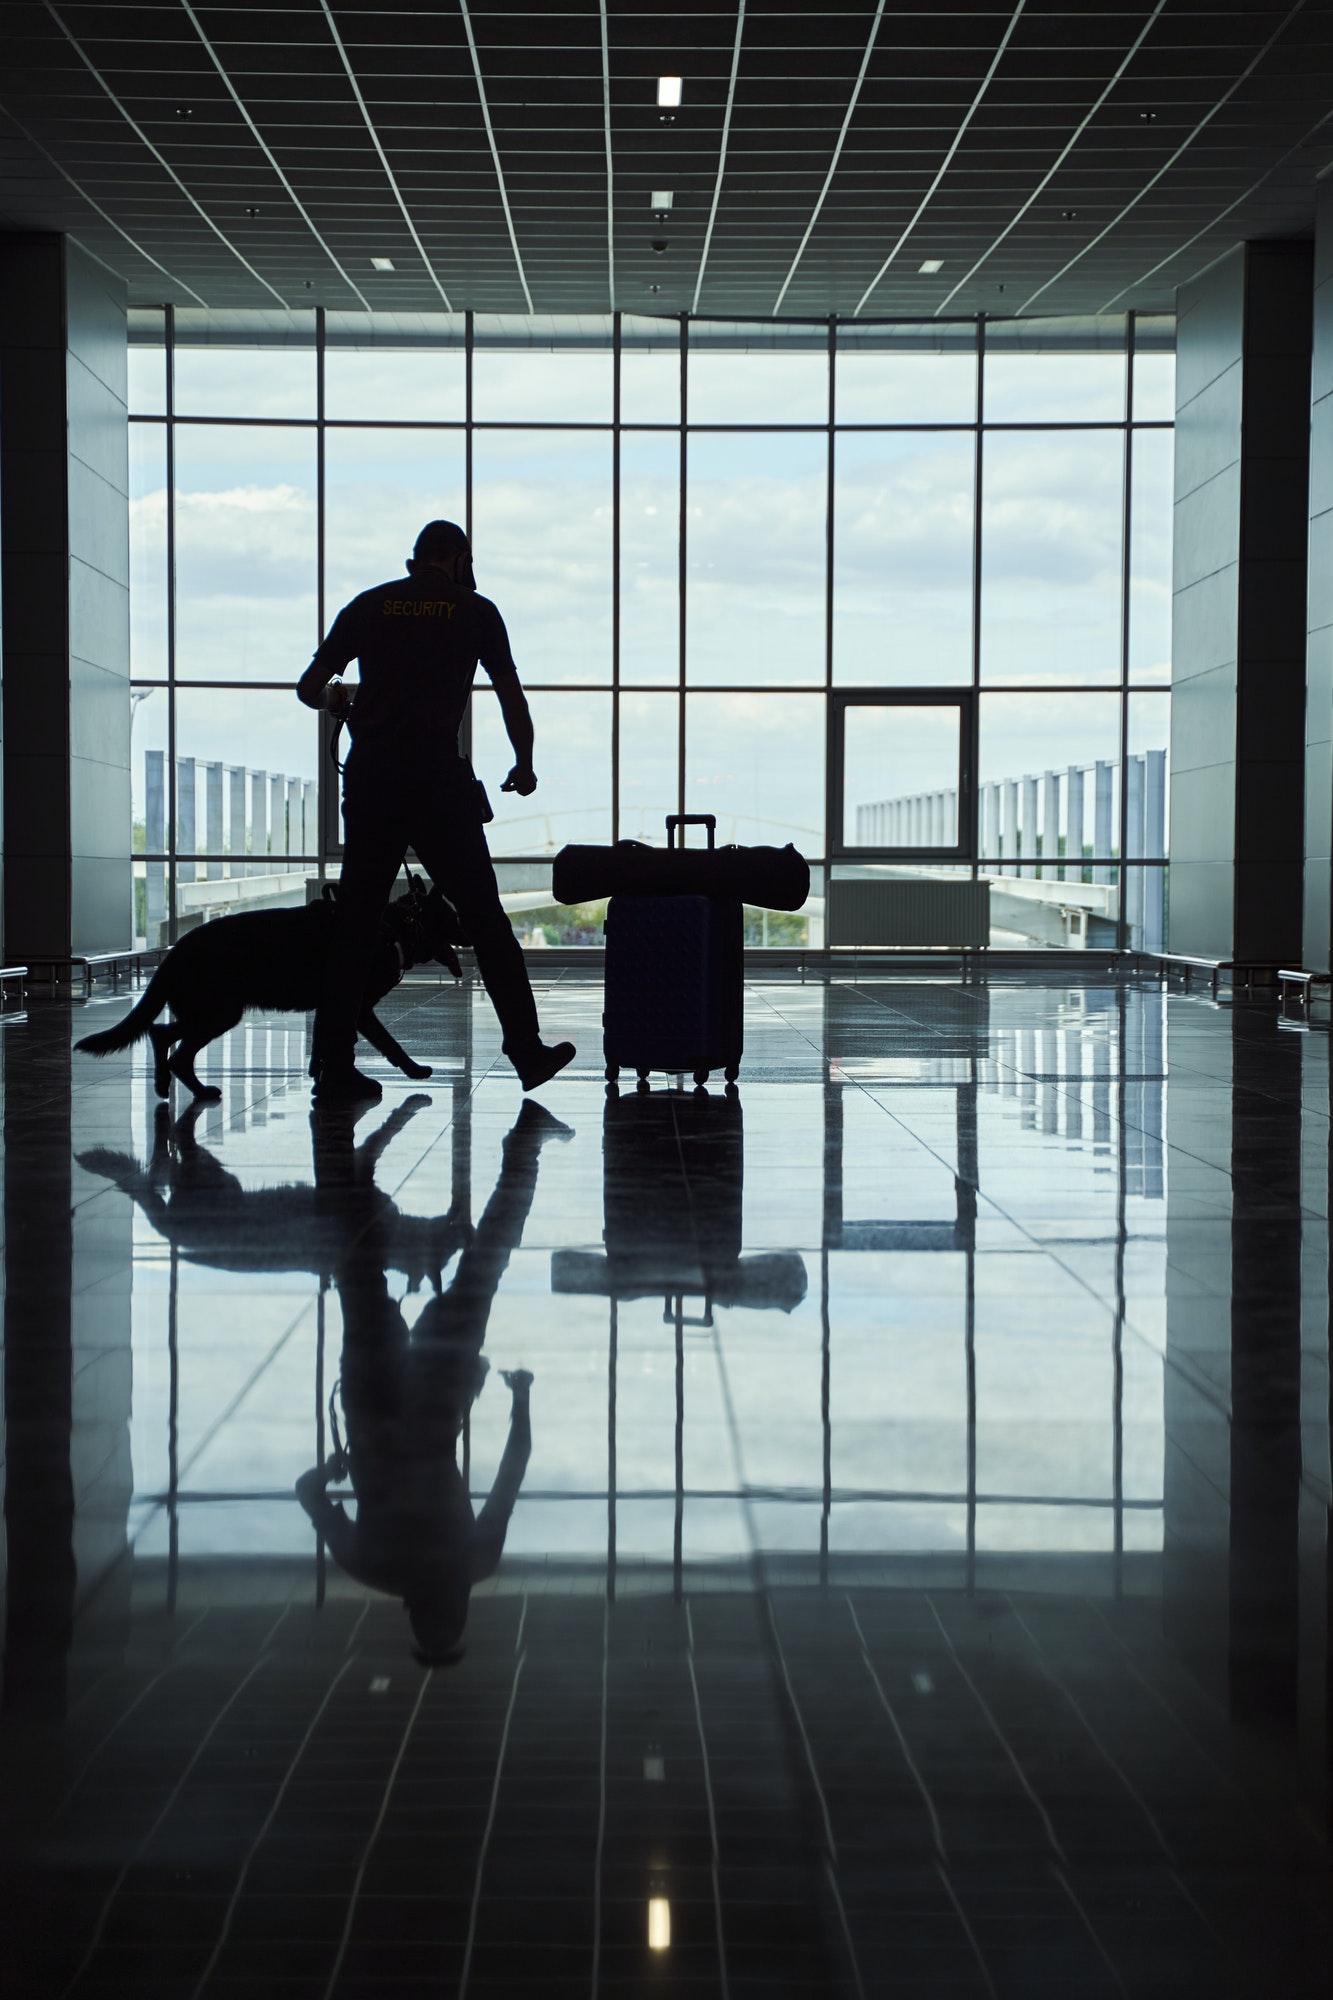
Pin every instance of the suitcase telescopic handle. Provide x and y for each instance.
(682, 820)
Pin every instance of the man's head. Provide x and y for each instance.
(443, 546)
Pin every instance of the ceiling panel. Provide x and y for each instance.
(1055, 158)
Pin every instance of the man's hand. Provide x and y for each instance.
(522, 779)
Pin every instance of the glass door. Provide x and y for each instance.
(902, 775)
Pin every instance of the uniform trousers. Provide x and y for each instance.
(395, 799)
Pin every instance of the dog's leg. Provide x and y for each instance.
(162, 1034)
(379, 1038)
(181, 1064)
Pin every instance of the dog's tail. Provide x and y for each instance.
(135, 1024)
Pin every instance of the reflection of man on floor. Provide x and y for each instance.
(405, 1398)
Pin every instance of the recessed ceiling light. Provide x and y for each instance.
(660, 198)
(1148, 117)
(932, 265)
(668, 92)
(381, 263)
(1069, 215)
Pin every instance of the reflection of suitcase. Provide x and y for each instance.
(673, 982)
(673, 1167)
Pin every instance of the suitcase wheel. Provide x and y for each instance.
(644, 1084)
(701, 1076)
(612, 1072)
(732, 1071)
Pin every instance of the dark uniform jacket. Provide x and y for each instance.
(419, 640)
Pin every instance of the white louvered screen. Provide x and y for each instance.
(909, 913)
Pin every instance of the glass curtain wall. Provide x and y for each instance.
(699, 532)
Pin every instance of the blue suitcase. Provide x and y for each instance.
(673, 996)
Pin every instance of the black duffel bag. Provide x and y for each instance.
(774, 878)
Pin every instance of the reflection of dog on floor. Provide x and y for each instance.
(274, 959)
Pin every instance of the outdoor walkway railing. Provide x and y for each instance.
(270, 824)
(1020, 821)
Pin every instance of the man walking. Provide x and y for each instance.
(419, 641)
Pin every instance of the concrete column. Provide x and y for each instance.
(213, 820)
(64, 486)
(1239, 605)
(277, 823)
(990, 821)
(236, 844)
(1050, 828)
(1103, 832)
(1030, 787)
(1009, 834)
(295, 841)
(155, 840)
(259, 822)
(186, 837)
(1074, 824)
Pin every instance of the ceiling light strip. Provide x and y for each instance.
(383, 156)
(1060, 159)
(1166, 167)
(947, 162)
(610, 181)
(97, 208)
(1161, 265)
(722, 153)
(267, 151)
(837, 154)
(495, 151)
(163, 162)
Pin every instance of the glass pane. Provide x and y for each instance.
(1052, 518)
(757, 508)
(649, 371)
(649, 765)
(521, 373)
(148, 749)
(757, 762)
(147, 361)
(1049, 792)
(1146, 897)
(900, 769)
(246, 791)
(396, 384)
(573, 763)
(1154, 368)
(148, 551)
(758, 375)
(538, 920)
(245, 553)
(1055, 371)
(381, 487)
(906, 375)
(1148, 799)
(541, 509)
(902, 551)
(649, 556)
(1150, 530)
(245, 381)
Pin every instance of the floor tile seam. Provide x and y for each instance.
(1046, 1249)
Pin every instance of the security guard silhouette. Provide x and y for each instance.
(419, 640)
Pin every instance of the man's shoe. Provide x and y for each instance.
(542, 1063)
(344, 1083)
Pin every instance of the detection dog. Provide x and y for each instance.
(274, 959)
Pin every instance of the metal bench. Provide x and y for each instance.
(10, 976)
(1237, 971)
(113, 964)
(1298, 988)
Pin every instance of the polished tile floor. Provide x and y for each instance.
(866, 1534)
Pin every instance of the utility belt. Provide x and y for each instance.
(451, 773)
